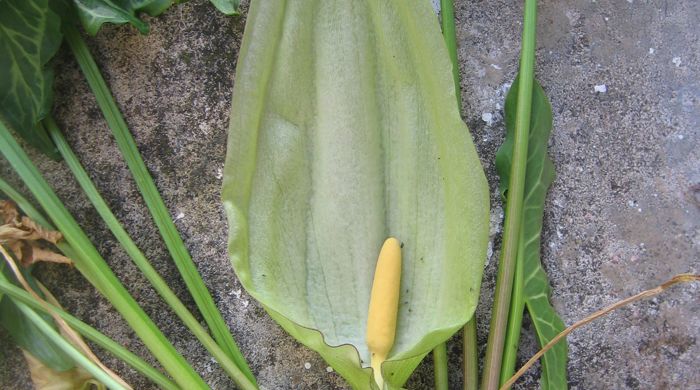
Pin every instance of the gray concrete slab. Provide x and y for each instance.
(623, 214)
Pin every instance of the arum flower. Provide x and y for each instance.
(344, 132)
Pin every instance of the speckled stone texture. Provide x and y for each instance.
(623, 214)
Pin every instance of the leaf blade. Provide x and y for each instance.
(540, 175)
(94, 13)
(29, 37)
(227, 7)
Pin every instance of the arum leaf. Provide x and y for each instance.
(228, 7)
(94, 13)
(343, 132)
(29, 36)
(540, 174)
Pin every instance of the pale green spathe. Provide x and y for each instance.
(344, 131)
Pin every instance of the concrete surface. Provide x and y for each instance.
(623, 214)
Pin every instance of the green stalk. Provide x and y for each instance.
(154, 202)
(515, 319)
(90, 333)
(440, 367)
(140, 259)
(450, 36)
(470, 351)
(514, 202)
(68, 348)
(91, 264)
(471, 360)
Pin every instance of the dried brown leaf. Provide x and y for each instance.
(24, 237)
(8, 211)
(44, 378)
(66, 331)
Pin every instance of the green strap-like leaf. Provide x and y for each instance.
(540, 174)
(29, 36)
(344, 131)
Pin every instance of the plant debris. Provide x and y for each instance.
(26, 239)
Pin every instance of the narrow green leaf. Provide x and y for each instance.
(29, 37)
(94, 13)
(84, 329)
(540, 174)
(91, 264)
(159, 284)
(161, 216)
(344, 131)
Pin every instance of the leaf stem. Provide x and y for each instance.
(470, 350)
(140, 259)
(514, 202)
(515, 318)
(91, 264)
(440, 367)
(450, 36)
(471, 361)
(154, 202)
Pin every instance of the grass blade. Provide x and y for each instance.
(91, 264)
(155, 203)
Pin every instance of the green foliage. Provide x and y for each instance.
(26, 334)
(228, 7)
(94, 13)
(539, 176)
(342, 134)
(91, 264)
(29, 37)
